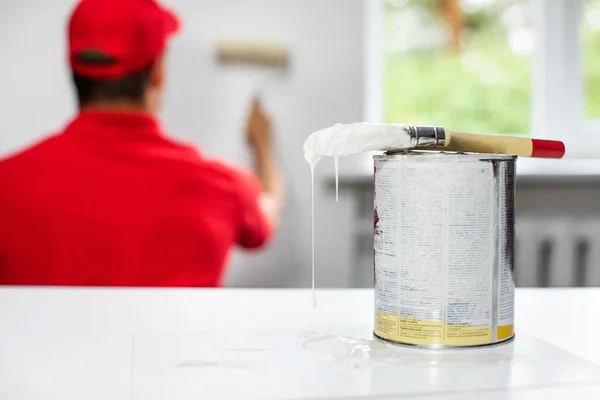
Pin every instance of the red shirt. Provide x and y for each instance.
(111, 201)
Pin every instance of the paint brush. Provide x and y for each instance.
(436, 137)
(345, 139)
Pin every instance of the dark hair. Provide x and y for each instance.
(127, 88)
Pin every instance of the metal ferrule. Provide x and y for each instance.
(427, 136)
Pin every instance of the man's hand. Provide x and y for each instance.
(258, 134)
(258, 130)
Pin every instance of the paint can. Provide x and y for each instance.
(443, 247)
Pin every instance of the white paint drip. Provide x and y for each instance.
(336, 162)
(312, 191)
(342, 140)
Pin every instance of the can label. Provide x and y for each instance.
(443, 251)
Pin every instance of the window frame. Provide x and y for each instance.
(557, 108)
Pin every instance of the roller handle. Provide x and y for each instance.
(524, 147)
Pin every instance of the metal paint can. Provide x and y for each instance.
(443, 247)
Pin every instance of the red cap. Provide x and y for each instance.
(132, 33)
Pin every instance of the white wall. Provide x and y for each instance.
(34, 94)
(206, 104)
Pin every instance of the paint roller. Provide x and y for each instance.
(272, 56)
(261, 54)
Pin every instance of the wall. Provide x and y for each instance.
(35, 97)
(206, 104)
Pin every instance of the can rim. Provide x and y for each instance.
(446, 156)
(446, 347)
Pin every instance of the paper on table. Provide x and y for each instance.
(286, 364)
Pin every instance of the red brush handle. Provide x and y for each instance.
(520, 146)
(547, 148)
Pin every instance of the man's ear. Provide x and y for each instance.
(157, 73)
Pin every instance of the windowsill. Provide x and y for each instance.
(359, 168)
(558, 168)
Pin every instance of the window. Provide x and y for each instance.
(463, 64)
(528, 67)
(590, 46)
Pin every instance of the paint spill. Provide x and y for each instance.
(358, 352)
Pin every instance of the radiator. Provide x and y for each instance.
(548, 252)
(557, 252)
(557, 240)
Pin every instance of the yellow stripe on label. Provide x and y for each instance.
(505, 331)
(418, 331)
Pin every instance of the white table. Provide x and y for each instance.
(58, 343)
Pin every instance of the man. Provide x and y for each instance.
(111, 200)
